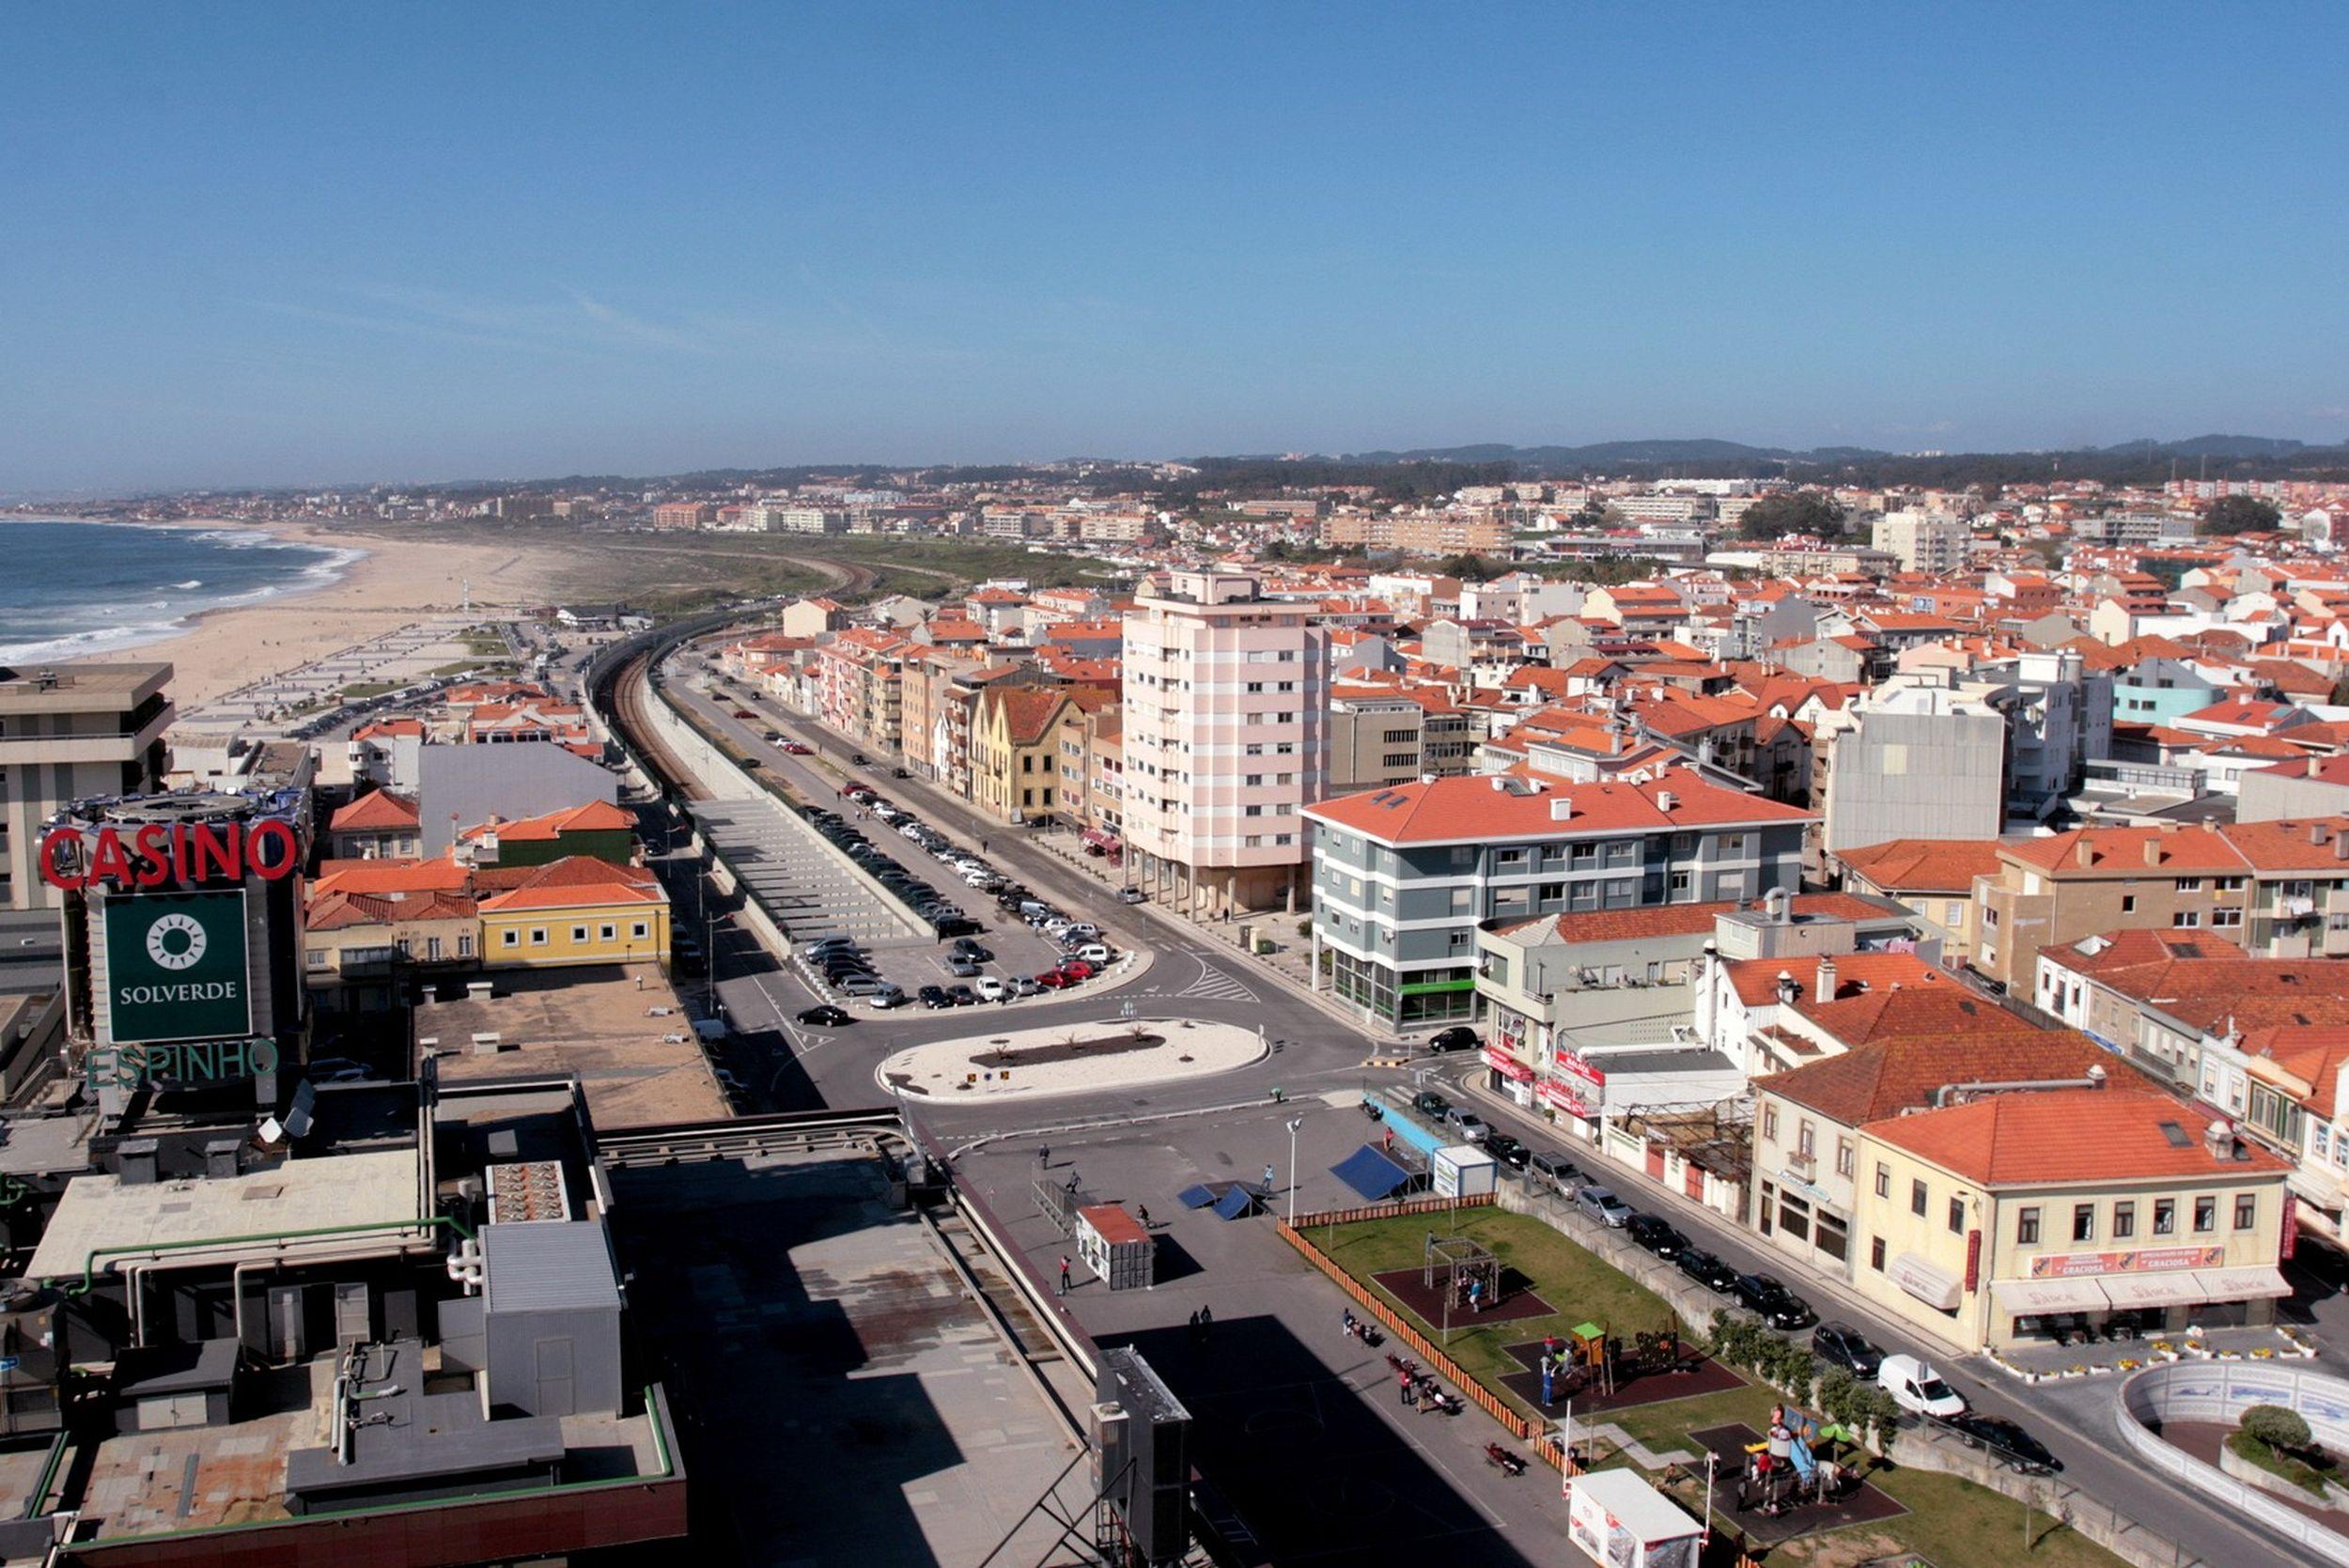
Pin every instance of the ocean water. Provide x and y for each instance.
(75, 590)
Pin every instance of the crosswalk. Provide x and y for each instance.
(1213, 985)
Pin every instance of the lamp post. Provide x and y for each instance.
(1294, 1121)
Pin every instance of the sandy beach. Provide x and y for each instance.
(394, 582)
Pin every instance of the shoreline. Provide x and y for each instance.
(379, 586)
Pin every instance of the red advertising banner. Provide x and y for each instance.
(1506, 1065)
(1973, 1261)
(1552, 1091)
(2152, 1259)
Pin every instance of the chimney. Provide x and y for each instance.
(2341, 846)
(2096, 1077)
(1562, 808)
(220, 1156)
(2083, 854)
(2218, 1139)
(2316, 832)
(135, 1161)
(1666, 800)
(1823, 988)
(2153, 851)
(1785, 988)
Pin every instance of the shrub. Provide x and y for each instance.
(2276, 1426)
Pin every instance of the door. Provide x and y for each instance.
(558, 1383)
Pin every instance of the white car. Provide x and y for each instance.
(1916, 1388)
(1096, 954)
(1083, 930)
(989, 988)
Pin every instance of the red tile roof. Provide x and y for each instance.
(1925, 864)
(1889, 1077)
(1687, 920)
(2044, 1136)
(379, 810)
(1469, 809)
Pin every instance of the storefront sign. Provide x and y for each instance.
(1506, 1065)
(181, 854)
(1562, 1096)
(1973, 1261)
(2291, 1227)
(2152, 1259)
(176, 967)
(186, 1062)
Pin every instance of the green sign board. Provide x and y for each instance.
(176, 966)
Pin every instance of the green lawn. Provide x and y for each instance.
(1572, 1279)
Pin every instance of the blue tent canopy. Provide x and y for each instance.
(1371, 1172)
(1238, 1201)
(1197, 1197)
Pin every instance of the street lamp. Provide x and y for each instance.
(1294, 1121)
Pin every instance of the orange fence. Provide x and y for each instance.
(1392, 1211)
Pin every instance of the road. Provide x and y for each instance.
(1315, 1053)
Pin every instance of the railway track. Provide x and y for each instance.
(737, 1138)
(629, 688)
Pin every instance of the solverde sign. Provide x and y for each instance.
(176, 966)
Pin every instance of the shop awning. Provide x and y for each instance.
(2247, 1283)
(1928, 1282)
(2171, 1288)
(1099, 839)
(2049, 1295)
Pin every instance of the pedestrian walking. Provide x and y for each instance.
(1063, 1276)
(1043, 1156)
(1206, 1323)
(1386, 1140)
(1547, 1376)
(1145, 1215)
(1269, 1177)
(1194, 1326)
(1403, 1382)
(1072, 1178)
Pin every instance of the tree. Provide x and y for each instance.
(2279, 1426)
(1791, 512)
(2240, 514)
(1468, 568)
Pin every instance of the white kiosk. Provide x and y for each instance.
(1623, 1522)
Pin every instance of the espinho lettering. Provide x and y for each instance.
(186, 852)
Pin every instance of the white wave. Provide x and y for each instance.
(81, 645)
(191, 582)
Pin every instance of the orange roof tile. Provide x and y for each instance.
(1925, 864)
(377, 810)
(2044, 1136)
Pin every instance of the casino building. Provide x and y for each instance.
(182, 918)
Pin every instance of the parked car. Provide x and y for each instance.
(745, 713)
(1459, 1037)
(822, 946)
(1077, 969)
(962, 996)
(871, 987)
(1053, 980)
(931, 996)
(2006, 1442)
(1428, 1103)
(989, 989)
(1840, 1344)
(1604, 1206)
(1655, 1234)
(961, 967)
(900, 773)
(1555, 1170)
(1916, 1388)
(827, 1017)
(1507, 1150)
(1096, 954)
(1130, 896)
(966, 948)
(796, 749)
(1025, 985)
(1474, 1128)
(1706, 1270)
(1083, 931)
(1778, 1307)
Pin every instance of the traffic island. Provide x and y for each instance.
(1078, 1059)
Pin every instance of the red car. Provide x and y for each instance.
(794, 748)
(1053, 980)
(745, 713)
(1076, 970)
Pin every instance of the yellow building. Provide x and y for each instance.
(2003, 1219)
(576, 910)
(1016, 751)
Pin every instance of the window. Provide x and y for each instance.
(1884, 1180)
(2205, 1215)
(1806, 1138)
(1553, 892)
(2225, 920)
(2189, 884)
(2124, 1221)
(2165, 1216)
(513, 938)
(315, 958)
(2229, 884)
(639, 931)
(607, 933)
(1583, 854)
(1917, 1199)
(2083, 1221)
(2128, 902)
(2026, 1228)
(1252, 780)
(1769, 1123)
(465, 943)
(1957, 1216)
(2246, 1211)
(538, 936)
(1876, 1254)
(1793, 1217)
(2186, 920)
(1845, 1156)
(1680, 882)
(431, 948)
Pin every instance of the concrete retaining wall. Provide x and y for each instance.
(2221, 1392)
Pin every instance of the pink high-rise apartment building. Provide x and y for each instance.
(1226, 715)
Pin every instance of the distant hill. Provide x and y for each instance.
(1606, 454)
(2213, 446)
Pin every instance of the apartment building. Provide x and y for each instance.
(1381, 736)
(1403, 876)
(1450, 534)
(1928, 542)
(1018, 736)
(2276, 889)
(683, 514)
(1226, 740)
(1933, 878)
(68, 732)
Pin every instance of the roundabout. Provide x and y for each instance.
(1072, 1059)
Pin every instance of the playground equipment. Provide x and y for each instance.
(1462, 1268)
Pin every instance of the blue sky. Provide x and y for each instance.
(303, 243)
